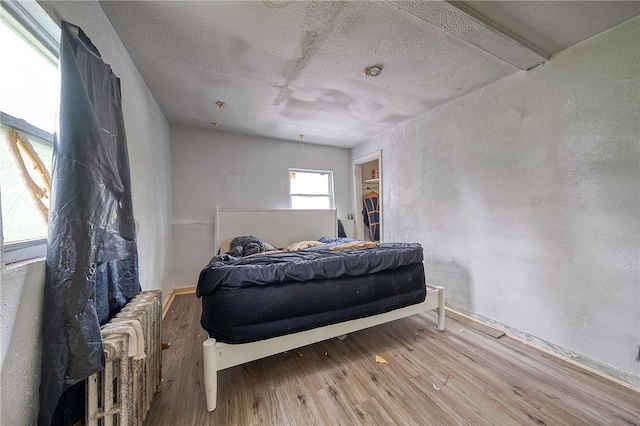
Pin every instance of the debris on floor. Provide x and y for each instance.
(439, 388)
(381, 360)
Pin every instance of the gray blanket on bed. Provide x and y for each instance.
(245, 245)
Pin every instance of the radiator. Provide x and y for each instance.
(122, 393)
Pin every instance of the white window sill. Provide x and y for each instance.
(24, 251)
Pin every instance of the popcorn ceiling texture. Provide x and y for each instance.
(291, 68)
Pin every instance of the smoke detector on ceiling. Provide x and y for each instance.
(373, 70)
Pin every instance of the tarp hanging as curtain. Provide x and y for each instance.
(92, 259)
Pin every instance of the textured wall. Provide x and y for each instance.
(526, 198)
(149, 152)
(21, 293)
(212, 169)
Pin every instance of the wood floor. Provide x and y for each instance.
(457, 377)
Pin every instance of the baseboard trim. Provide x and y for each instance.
(576, 363)
(531, 341)
(175, 292)
(167, 304)
(473, 323)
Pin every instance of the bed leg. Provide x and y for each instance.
(441, 308)
(210, 364)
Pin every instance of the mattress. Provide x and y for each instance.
(270, 295)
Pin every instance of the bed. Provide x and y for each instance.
(300, 285)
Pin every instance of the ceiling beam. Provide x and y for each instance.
(462, 22)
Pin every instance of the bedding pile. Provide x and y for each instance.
(277, 292)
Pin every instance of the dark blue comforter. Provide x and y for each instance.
(313, 264)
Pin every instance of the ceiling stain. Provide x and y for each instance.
(329, 101)
(287, 68)
(394, 118)
(309, 44)
(277, 4)
(320, 23)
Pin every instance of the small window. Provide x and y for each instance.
(28, 70)
(311, 189)
(29, 80)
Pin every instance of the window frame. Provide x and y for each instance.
(330, 194)
(17, 251)
(37, 27)
(37, 23)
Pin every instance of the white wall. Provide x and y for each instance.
(21, 295)
(526, 197)
(149, 156)
(212, 169)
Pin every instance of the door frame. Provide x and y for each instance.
(357, 194)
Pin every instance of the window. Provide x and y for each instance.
(311, 189)
(28, 108)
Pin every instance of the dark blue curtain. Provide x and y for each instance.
(92, 259)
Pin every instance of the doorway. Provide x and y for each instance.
(368, 197)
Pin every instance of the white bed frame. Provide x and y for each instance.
(280, 228)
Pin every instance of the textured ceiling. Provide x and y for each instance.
(286, 69)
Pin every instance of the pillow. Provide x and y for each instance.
(225, 247)
(334, 240)
(269, 247)
(302, 245)
(246, 245)
(355, 245)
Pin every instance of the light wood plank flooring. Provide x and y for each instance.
(458, 377)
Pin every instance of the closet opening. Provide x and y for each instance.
(368, 197)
